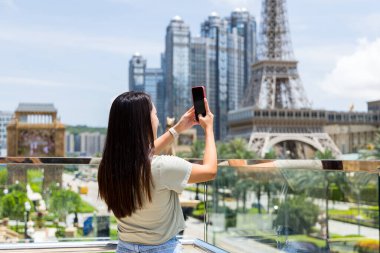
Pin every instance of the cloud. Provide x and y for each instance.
(38, 37)
(29, 82)
(357, 75)
(18, 83)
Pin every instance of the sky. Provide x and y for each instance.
(75, 53)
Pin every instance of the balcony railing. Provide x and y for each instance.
(251, 206)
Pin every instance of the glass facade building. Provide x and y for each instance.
(245, 24)
(155, 87)
(137, 66)
(5, 118)
(151, 81)
(224, 72)
(177, 68)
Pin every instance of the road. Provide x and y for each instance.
(92, 195)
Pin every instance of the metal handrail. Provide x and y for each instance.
(336, 165)
(95, 246)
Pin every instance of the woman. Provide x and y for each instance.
(142, 189)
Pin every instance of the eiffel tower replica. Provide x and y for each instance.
(275, 82)
(275, 98)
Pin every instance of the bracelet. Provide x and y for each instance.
(173, 132)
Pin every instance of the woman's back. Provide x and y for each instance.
(162, 218)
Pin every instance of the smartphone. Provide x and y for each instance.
(199, 93)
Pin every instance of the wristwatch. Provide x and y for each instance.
(173, 132)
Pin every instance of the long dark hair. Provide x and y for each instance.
(124, 175)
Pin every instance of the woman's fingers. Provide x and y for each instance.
(191, 109)
(206, 104)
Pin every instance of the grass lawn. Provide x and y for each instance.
(368, 216)
(85, 207)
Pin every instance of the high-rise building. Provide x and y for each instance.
(69, 143)
(149, 80)
(245, 24)
(137, 66)
(235, 69)
(154, 86)
(216, 29)
(177, 68)
(92, 143)
(218, 59)
(5, 118)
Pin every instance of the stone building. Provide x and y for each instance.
(35, 131)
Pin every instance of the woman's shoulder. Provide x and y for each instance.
(167, 160)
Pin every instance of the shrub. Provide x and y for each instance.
(299, 213)
(367, 246)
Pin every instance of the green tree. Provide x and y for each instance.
(235, 149)
(308, 181)
(224, 181)
(270, 155)
(13, 206)
(298, 213)
(3, 176)
(63, 202)
(197, 149)
(240, 190)
(325, 155)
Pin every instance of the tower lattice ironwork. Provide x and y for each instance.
(275, 81)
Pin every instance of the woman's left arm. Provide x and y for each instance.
(187, 121)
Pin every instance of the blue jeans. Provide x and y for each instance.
(171, 246)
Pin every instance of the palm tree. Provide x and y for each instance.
(197, 149)
(239, 149)
(235, 149)
(307, 181)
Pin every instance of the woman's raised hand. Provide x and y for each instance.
(207, 121)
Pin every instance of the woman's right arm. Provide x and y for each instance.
(208, 170)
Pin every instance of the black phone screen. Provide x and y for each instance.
(199, 104)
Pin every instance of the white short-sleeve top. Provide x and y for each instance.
(159, 220)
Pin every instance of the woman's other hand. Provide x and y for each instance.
(187, 121)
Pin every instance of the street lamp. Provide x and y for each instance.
(27, 209)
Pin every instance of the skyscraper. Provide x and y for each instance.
(218, 59)
(235, 69)
(137, 66)
(154, 86)
(216, 29)
(5, 118)
(149, 80)
(245, 24)
(177, 68)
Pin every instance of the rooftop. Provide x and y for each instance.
(36, 107)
